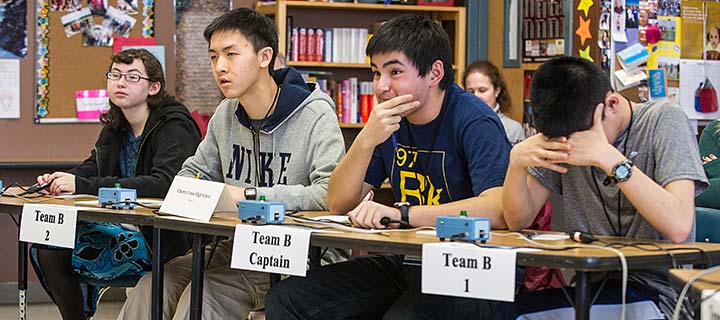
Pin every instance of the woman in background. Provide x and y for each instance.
(483, 80)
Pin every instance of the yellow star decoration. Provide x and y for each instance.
(583, 30)
(585, 54)
(585, 5)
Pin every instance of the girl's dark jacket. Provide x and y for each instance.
(170, 136)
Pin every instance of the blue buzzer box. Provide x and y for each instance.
(261, 212)
(463, 228)
(117, 198)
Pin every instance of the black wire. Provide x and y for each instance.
(602, 201)
(22, 194)
(618, 231)
(112, 203)
(637, 245)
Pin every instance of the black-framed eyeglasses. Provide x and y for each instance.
(128, 77)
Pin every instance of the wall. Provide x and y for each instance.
(513, 76)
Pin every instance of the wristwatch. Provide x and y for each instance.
(250, 193)
(621, 172)
(404, 208)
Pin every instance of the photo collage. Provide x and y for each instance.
(83, 20)
(654, 26)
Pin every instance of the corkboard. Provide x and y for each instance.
(69, 65)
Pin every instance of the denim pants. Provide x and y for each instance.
(372, 287)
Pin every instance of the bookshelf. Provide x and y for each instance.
(331, 14)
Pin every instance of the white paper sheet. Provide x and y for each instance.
(9, 89)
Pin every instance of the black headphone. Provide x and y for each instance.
(617, 232)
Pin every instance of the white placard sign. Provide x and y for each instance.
(465, 270)
(197, 199)
(710, 308)
(48, 224)
(273, 249)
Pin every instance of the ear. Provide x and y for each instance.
(436, 73)
(265, 55)
(154, 88)
(497, 92)
(612, 104)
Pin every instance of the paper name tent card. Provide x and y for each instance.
(633, 56)
(197, 199)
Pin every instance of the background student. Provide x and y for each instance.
(623, 169)
(274, 136)
(483, 80)
(442, 150)
(146, 136)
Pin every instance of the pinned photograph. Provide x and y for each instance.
(604, 39)
(77, 21)
(671, 66)
(128, 6)
(118, 21)
(98, 7)
(669, 8)
(604, 21)
(98, 36)
(668, 29)
(13, 39)
(65, 5)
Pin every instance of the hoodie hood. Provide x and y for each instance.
(168, 109)
(294, 95)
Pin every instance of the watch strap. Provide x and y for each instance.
(405, 215)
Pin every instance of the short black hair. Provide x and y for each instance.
(256, 27)
(564, 93)
(422, 40)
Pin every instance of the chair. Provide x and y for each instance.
(707, 221)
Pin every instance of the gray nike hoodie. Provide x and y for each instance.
(288, 160)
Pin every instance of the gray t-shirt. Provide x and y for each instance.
(666, 149)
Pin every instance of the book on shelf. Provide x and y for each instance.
(338, 45)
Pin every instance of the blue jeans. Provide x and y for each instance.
(372, 287)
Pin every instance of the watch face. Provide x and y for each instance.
(621, 172)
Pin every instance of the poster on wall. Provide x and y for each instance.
(543, 30)
(696, 39)
(13, 29)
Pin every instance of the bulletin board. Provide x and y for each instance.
(675, 33)
(64, 64)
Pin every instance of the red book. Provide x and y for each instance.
(311, 44)
(319, 44)
(302, 50)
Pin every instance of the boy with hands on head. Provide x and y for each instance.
(623, 169)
